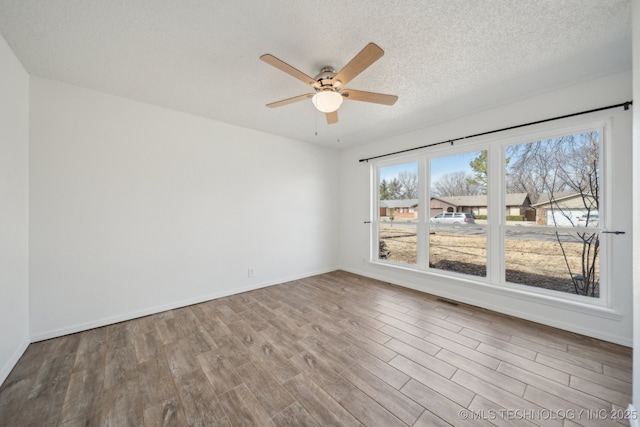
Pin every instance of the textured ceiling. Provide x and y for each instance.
(443, 58)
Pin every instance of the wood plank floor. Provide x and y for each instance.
(335, 349)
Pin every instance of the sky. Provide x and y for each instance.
(439, 166)
(460, 162)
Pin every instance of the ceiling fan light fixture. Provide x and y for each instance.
(327, 101)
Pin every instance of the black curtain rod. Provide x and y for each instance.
(451, 141)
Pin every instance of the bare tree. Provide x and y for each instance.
(395, 189)
(404, 186)
(578, 168)
(533, 168)
(409, 185)
(566, 164)
(455, 184)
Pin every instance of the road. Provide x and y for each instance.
(478, 230)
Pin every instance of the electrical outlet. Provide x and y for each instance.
(250, 272)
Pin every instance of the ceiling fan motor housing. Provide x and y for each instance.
(325, 80)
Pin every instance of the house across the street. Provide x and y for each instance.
(563, 208)
(403, 208)
(517, 204)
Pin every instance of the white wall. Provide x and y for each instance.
(614, 324)
(136, 209)
(14, 210)
(636, 206)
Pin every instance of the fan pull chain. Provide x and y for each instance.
(316, 118)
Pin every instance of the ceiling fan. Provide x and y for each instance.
(330, 87)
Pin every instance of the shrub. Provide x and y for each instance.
(383, 251)
(515, 218)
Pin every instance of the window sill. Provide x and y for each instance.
(535, 295)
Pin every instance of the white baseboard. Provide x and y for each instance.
(633, 422)
(171, 306)
(11, 363)
(497, 308)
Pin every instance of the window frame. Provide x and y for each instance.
(375, 216)
(496, 226)
(605, 157)
(440, 153)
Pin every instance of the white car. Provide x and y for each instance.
(453, 218)
(589, 220)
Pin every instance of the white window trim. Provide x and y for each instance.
(496, 224)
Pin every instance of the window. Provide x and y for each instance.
(457, 242)
(396, 226)
(561, 249)
(518, 213)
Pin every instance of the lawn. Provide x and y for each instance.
(530, 262)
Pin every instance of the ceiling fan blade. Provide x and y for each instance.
(367, 56)
(332, 117)
(283, 66)
(360, 95)
(290, 100)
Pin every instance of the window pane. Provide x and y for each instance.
(461, 249)
(458, 213)
(561, 177)
(398, 213)
(459, 184)
(562, 261)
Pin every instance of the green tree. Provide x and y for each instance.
(385, 193)
(480, 176)
(404, 186)
(395, 188)
(479, 166)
